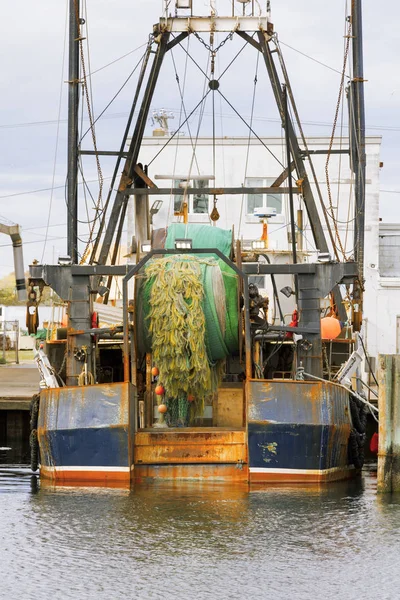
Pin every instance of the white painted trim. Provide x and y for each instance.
(86, 469)
(208, 24)
(299, 471)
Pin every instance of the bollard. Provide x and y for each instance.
(389, 423)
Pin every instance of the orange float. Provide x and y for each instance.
(160, 390)
(155, 372)
(162, 408)
(330, 328)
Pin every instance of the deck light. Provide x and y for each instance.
(65, 261)
(183, 244)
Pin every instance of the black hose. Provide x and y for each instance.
(357, 436)
(33, 438)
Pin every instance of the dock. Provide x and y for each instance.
(18, 383)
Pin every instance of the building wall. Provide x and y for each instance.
(382, 309)
(235, 161)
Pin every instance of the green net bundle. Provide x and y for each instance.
(187, 316)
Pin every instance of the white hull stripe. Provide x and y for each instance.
(299, 471)
(87, 469)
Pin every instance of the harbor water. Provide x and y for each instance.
(197, 541)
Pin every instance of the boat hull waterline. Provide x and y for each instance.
(295, 432)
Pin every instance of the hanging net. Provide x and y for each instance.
(187, 317)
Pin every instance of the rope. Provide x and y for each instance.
(371, 406)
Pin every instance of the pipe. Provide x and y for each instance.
(14, 232)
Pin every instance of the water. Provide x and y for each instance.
(197, 541)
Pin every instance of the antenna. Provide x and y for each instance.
(161, 117)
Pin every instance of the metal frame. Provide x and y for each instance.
(133, 270)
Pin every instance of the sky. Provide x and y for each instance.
(33, 119)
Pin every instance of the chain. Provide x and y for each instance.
(209, 48)
(328, 185)
(325, 355)
(62, 364)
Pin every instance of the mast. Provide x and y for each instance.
(357, 113)
(73, 106)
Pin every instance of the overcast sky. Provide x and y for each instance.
(32, 39)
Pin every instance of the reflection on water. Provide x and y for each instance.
(198, 541)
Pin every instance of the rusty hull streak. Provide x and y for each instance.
(86, 477)
(196, 472)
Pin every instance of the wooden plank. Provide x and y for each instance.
(230, 407)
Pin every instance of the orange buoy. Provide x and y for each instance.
(162, 408)
(330, 328)
(155, 372)
(191, 398)
(160, 391)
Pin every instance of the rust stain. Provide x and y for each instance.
(205, 472)
(108, 391)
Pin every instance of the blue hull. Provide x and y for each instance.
(295, 432)
(87, 433)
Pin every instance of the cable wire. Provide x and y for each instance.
(57, 132)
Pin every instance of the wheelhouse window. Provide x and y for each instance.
(198, 203)
(258, 280)
(200, 199)
(178, 200)
(259, 200)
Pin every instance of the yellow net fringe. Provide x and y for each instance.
(177, 327)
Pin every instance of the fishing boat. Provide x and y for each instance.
(200, 380)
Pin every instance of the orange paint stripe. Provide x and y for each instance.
(301, 477)
(84, 476)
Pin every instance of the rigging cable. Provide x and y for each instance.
(328, 185)
(251, 129)
(303, 137)
(182, 109)
(144, 60)
(248, 142)
(57, 134)
(197, 135)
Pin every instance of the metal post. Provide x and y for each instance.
(389, 424)
(359, 125)
(17, 342)
(309, 201)
(4, 341)
(73, 106)
(357, 113)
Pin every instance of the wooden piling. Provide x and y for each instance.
(389, 423)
